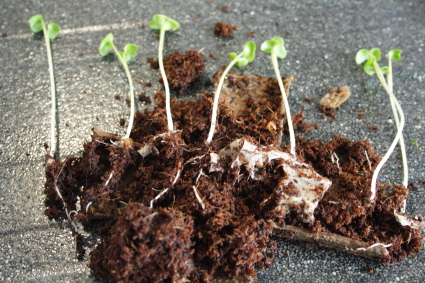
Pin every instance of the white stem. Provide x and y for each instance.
(130, 82)
(52, 90)
(284, 102)
(164, 79)
(217, 95)
(397, 121)
(397, 137)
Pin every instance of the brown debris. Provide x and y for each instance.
(224, 29)
(335, 97)
(300, 124)
(183, 69)
(328, 112)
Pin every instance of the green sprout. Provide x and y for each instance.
(240, 60)
(371, 67)
(130, 51)
(50, 32)
(415, 142)
(276, 47)
(164, 24)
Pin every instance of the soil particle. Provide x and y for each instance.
(373, 128)
(144, 98)
(328, 112)
(153, 62)
(224, 29)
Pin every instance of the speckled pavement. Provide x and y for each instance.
(322, 38)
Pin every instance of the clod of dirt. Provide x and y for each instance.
(335, 97)
(145, 245)
(183, 69)
(224, 29)
(243, 92)
(180, 210)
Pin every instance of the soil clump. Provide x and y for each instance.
(177, 209)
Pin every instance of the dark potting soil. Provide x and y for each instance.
(181, 69)
(172, 213)
(224, 29)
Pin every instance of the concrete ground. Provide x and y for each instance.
(322, 38)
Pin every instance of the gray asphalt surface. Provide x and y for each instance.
(322, 38)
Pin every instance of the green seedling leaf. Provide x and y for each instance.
(415, 142)
(395, 54)
(384, 70)
(163, 22)
(362, 56)
(276, 44)
(248, 56)
(249, 48)
(106, 44)
(53, 29)
(36, 23)
(130, 51)
(375, 52)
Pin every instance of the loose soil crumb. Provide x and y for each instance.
(144, 98)
(328, 112)
(224, 29)
(171, 211)
(374, 128)
(360, 116)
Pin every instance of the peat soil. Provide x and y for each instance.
(171, 213)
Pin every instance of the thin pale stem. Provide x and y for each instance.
(53, 145)
(217, 95)
(284, 102)
(397, 121)
(164, 79)
(130, 82)
(397, 137)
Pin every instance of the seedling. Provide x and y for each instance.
(240, 60)
(276, 47)
(415, 142)
(130, 51)
(371, 67)
(50, 32)
(163, 23)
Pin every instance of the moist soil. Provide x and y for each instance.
(166, 216)
(224, 29)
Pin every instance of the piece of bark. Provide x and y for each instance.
(334, 241)
(335, 97)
